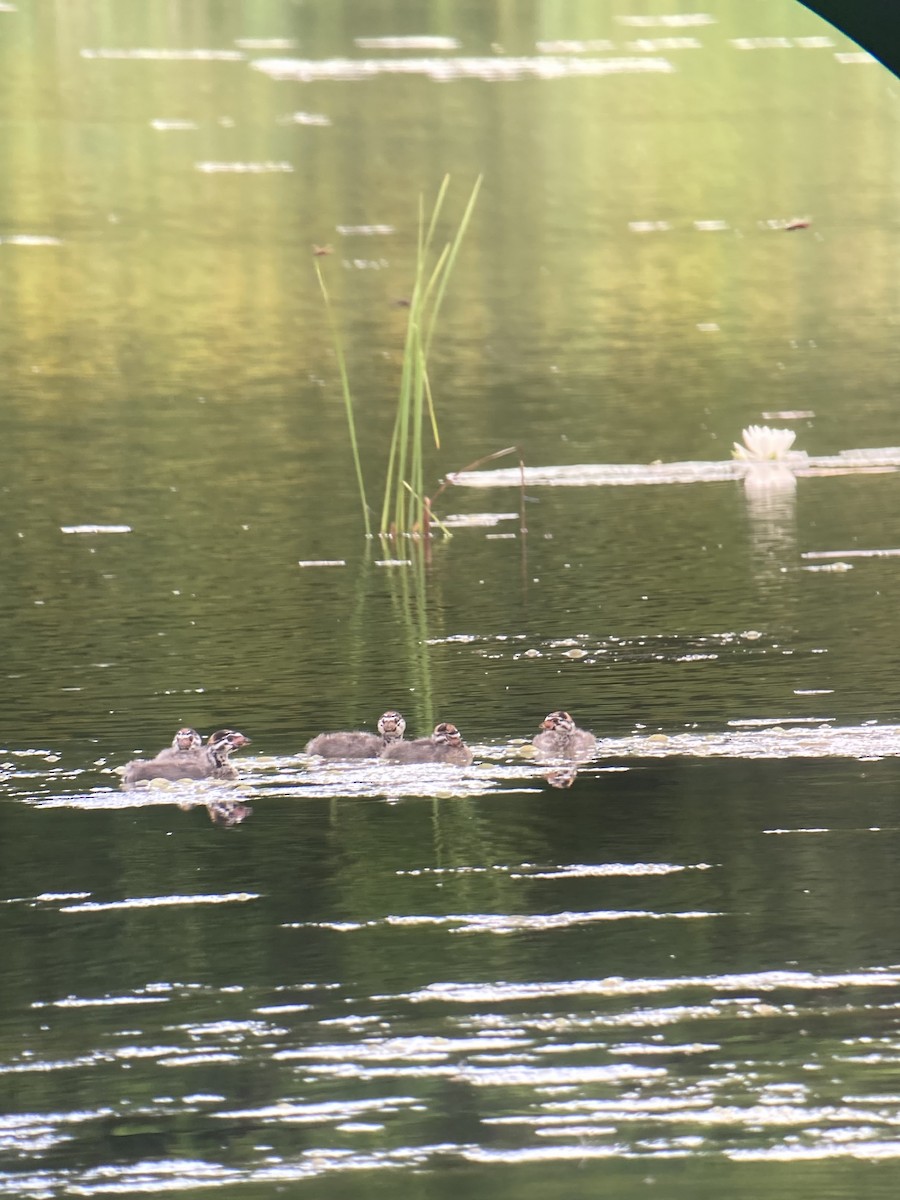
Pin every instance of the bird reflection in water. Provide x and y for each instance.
(228, 812)
(564, 777)
(221, 810)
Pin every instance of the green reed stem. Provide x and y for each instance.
(449, 262)
(348, 399)
(406, 459)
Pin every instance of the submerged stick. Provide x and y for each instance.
(472, 466)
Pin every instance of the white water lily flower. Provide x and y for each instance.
(763, 444)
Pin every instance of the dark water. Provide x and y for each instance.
(675, 973)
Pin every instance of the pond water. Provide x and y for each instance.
(674, 973)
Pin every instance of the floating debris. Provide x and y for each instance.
(322, 562)
(463, 520)
(95, 528)
(763, 459)
(718, 225)
(599, 475)
(795, 737)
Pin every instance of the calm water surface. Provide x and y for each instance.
(675, 973)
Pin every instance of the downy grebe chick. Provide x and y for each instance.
(186, 742)
(561, 738)
(444, 746)
(218, 746)
(356, 744)
(210, 762)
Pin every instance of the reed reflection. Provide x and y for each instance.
(409, 597)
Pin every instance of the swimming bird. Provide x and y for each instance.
(356, 743)
(210, 762)
(560, 737)
(444, 746)
(186, 742)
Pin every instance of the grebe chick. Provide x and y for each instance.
(357, 744)
(560, 737)
(186, 742)
(211, 762)
(444, 746)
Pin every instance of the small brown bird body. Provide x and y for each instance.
(356, 743)
(444, 746)
(207, 762)
(186, 743)
(560, 737)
